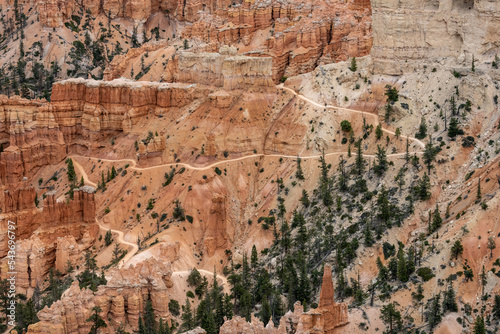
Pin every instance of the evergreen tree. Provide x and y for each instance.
(423, 188)
(378, 132)
(254, 258)
(383, 272)
(368, 236)
(382, 164)
(392, 318)
(436, 219)
(457, 249)
(429, 155)
(299, 174)
(383, 205)
(478, 194)
(360, 161)
(265, 313)
(116, 253)
(449, 302)
(108, 238)
(422, 130)
(402, 268)
(354, 65)
(496, 307)
(434, 317)
(187, 317)
(479, 326)
(71, 170)
(453, 128)
(96, 320)
(305, 199)
(491, 245)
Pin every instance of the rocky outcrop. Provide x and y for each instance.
(323, 319)
(30, 137)
(121, 300)
(408, 33)
(54, 234)
(94, 109)
(223, 69)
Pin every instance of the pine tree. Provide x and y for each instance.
(478, 194)
(360, 161)
(383, 272)
(496, 307)
(254, 259)
(187, 316)
(391, 317)
(435, 312)
(116, 253)
(454, 129)
(449, 302)
(354, 65)
(422, 130)
(266, 312)
(429, 155)
(324, 182)
(423, 188)
(402, 268)
(299, 174)
(436, 219)
(479, 326)
(108, 238)
(96, 320)
(457, 249)
(378, 132)
(368, 236)
(305, 199)
(71, 170)
(383, 205)
(382, 164)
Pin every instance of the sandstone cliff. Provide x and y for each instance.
(56, 233)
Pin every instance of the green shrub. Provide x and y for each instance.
(425, 273)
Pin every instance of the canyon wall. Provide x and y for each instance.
(56, 233)
(408, 33)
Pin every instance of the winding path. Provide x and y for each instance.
(133, 163)
(120, 240)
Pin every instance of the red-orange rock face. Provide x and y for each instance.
(57, 232)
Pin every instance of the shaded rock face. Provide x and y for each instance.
(122, 301)
(430, 30)
(322, 320)
(52, 235)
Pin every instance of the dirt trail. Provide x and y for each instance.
(120, 240)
